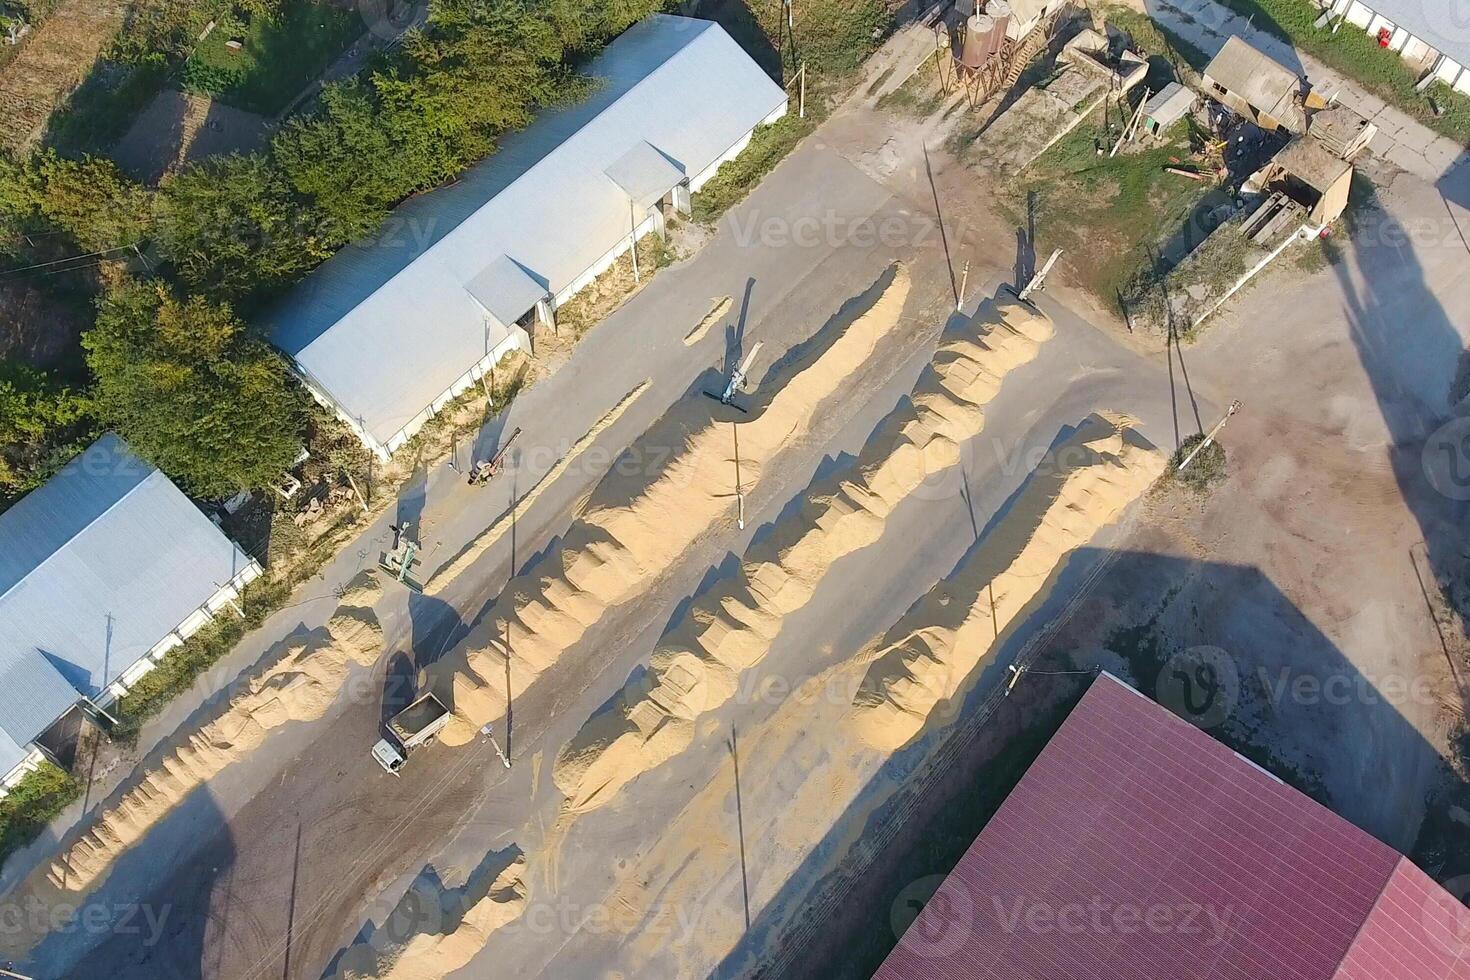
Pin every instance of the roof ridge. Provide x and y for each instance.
(1372, 910)
(555, 151)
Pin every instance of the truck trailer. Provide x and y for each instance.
(415, 725)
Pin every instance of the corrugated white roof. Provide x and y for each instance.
(96, 567)
(386, 327)
(1443, 24)
(35, 695)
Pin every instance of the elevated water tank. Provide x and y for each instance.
(1000, 12)
(979, 41)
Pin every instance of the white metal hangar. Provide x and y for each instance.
(103, 570)
(388, 331)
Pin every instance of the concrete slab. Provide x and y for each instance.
(1409, 159)
(1416, 137)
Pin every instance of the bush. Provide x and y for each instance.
(736, 177)
(210, 78)
(1206, 470)
(833, 37)
(42, 425)
(32, 803)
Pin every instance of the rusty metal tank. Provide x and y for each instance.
(979, 41)
(1000, 12)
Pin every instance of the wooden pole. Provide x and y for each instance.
(633, 234)
(353, 484)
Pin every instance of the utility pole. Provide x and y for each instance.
(1130, 126)
(504, 759)
(633, 235)
(964, 281)
(1039, 280)
(1234, 407)
(739, 494)
(801, 100)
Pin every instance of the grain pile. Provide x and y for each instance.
(429, 956)
(697, 666)
(635, 525)
(298, 687)
(928, 657)
(493, 534)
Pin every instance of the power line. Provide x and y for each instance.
(69, 258)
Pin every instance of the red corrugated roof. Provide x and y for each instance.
(1137, 846)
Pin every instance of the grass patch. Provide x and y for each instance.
(919, 95)
(600, 297)
(1204, 472)
(31, 804)
(1150, 37)
(833, 37)
(278, 58)
(736, 178)
(1354, 53)
(102, 108)
(1107, 214)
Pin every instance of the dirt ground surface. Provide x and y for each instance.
(182, 127)
(1292, 580)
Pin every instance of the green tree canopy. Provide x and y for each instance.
(90, 200)
(479, 70)
(345, 160)
(232, 228)
(192, 391)
(42, 425)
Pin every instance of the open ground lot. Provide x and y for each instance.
(1300, 565)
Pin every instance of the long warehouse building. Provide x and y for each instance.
(388, 331)
(103, 570)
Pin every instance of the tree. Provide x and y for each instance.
(42, 425)
(19, 202)
(232, 228)
(346, 161)
(479, 70)
(192, 391)
(585, 27)
(90, 200)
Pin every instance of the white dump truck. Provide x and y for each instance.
(415, 725)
